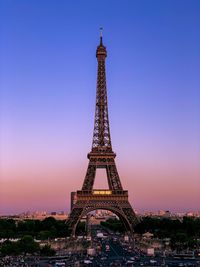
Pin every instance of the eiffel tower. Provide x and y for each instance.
(115, 199)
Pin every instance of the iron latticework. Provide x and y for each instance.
(102, 156)
(101, 135)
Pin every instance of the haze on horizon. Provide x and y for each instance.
(47, 98)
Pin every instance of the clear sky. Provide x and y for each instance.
(48, 74)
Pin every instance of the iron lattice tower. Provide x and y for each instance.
(102, 156)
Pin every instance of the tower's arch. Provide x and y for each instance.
(120, 215)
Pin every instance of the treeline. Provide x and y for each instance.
(183, 234)
(114, 225)
(23, 246)
(163, 227)
(48, 228)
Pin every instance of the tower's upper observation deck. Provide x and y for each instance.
(101, 52)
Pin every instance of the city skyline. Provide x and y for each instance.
(48, 80)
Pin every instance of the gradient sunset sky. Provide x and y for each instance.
(48, 75)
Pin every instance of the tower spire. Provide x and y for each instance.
(101, 36)
(101, 135)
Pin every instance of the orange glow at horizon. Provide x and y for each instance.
(149, 189)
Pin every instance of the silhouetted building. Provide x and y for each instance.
(73, 199)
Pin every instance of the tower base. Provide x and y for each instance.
(114, 201)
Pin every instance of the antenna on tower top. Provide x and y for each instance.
(101, 32)
(101, 35)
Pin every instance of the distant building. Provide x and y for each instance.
(73, 199)
(167, 214)
(161, 212)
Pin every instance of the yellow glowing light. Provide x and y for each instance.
(102, 192)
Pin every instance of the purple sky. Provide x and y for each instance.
(47, 98)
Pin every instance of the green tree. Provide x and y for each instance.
(9, 248)
(81, 228)
(7, 228)
(114, 225)
(28, 245)
(43, 235)
(47, 251)
(48, 223)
